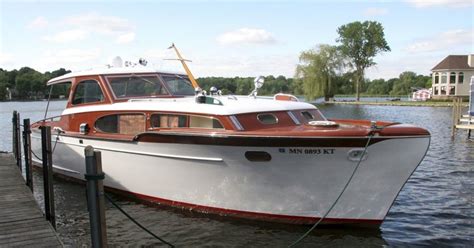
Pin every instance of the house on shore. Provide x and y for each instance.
(451, 76)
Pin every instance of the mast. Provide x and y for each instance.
(188, 72)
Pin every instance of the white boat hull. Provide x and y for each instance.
(293, 187)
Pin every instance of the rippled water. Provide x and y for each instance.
(435, 208)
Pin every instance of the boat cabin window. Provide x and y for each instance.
(267, 118)
(136, 86)
(178, 85)
(121, 124)
(177, 121)
(168, 121)
(204, 122)
(312, 115)
(87, 91)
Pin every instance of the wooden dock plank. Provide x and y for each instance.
(21, 220)
(466, 126)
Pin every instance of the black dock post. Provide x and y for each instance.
(16, 138)
(48, 175)
(18, 141)
(27, 150)
(95, 197)
(14, 124)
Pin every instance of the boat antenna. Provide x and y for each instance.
(183, 62)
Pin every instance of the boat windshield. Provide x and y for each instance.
(137, 86)
(178, 85)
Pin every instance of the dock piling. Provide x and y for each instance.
(16, 142)
(48, 175)
(14, 121)
(461, 121)
(95, 197)
(27, 151)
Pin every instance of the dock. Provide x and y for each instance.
(22, 223)
(460, 121)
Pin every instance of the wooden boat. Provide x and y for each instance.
(265, 158)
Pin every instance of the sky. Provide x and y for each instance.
(226, 38)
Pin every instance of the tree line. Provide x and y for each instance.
(29, 84)
(343, 84)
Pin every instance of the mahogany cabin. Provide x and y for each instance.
(89, 91)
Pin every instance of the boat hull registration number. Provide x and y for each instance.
(308, 151)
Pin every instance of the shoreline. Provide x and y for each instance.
(410, 104)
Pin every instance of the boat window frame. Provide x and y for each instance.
(176, 75)
(306, 117)
(98, 130)
(188, 121)
(236, 123)
(73, 95)
(270, 114)
(303, 118)
(156, 74)
(294, 118)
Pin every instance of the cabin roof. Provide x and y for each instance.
(241, 105)
(108, 71)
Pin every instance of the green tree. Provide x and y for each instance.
(317, 69)
(361, 42)
(29, 83)
(408, 81)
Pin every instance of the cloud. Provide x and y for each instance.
(442, 41)
(246, 36)
(101, 24)
(391, 67)
(375, 11)
(39, 22)
(225, 66)
(441, 3)
(73, 59)
(67, 36)
(80, 26)
(126, 38)
(246, 66)
(5, 59)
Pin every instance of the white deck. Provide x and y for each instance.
(230, 106)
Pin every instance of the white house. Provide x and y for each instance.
(451, 76)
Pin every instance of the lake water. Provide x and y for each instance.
(434, 209)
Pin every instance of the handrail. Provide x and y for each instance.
(46, 119)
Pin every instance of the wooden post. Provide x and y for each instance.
(16, 138)
(48, 175)
(18, 141)
(27, 150)
(95, 197)
(453, 116)
(14, 146)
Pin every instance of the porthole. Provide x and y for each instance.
(258, 156)
(267, 119)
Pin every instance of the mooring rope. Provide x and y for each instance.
(54, 147)
(338, 197)
(136, 222)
